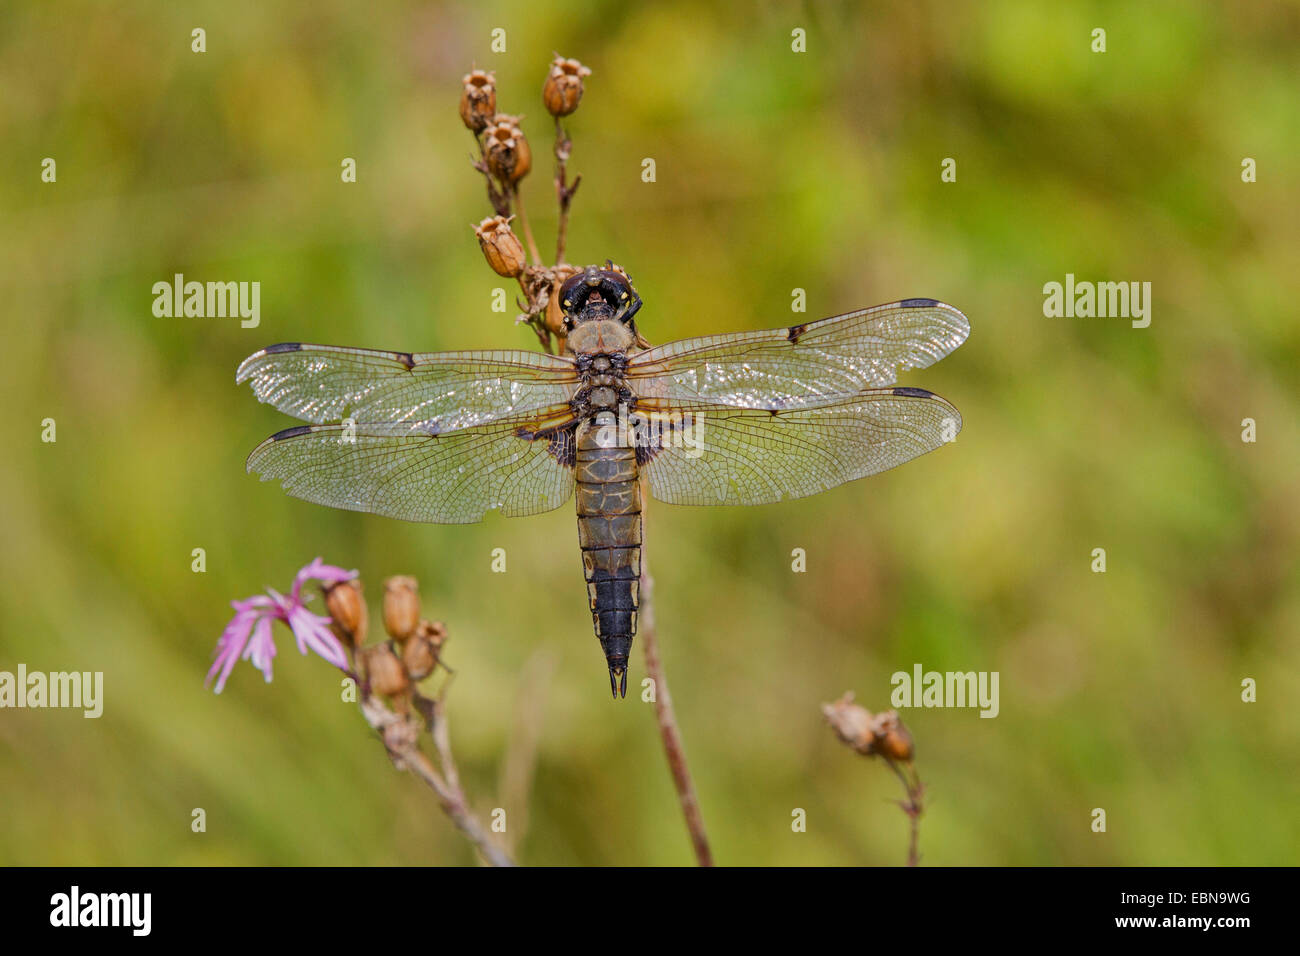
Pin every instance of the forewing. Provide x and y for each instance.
(755, 456)
(803, 365)
(445, 390)
(405, 472)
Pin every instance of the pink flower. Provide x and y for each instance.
(248, 635)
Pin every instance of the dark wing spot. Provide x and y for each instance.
(283, 347)
(406, 358)
(563, 448)
(908, 392)
(293, 432)
(918, 303)
(649, 442)
(561, 443)
(795, 331)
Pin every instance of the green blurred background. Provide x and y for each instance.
(775, 170)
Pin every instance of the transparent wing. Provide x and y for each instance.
(744, 456)
(803, 365)
(448, 390)
(405, 472)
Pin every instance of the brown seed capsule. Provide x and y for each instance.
(892, 739)
(554, 313)
(501, 247)
(384, 670)
(509, 157)
(478, 99)
(419, 656)
(347, 606)
(852, 723)
(401, 607)
(563, 89)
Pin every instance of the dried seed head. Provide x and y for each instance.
(892, 739)
(852, 723)
(419, 655)
(401, 607)
(384, 670)
(435, 631)
(509, 157)
(563, 89)
(501, 247)
(478, 99)
(554, 313)
(347, 606)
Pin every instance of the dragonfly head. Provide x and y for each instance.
(599, 293)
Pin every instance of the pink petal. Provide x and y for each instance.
(317, 570)
(261, 649)
(230, 646)
(313, 631)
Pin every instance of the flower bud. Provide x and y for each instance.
(478, 99)
(401, 607)
(501, 247)
(852, 723)
(563, 89)
(347, 607)
(509, 157)
(892, 739)
(385, 671)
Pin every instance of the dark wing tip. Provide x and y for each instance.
(907, 391)
(292, 432)
(282, 435)
(955, 318)
(244, 369)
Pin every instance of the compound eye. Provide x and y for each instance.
(621, 288)
(569, 287)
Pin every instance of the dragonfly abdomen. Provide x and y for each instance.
(609, 533)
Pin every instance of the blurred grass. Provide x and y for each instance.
(775, 171)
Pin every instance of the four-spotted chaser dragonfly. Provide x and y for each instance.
(741, 419)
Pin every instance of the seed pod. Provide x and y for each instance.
(385, 671)
(509, 157)
(892, 739)
(563, 89)
(347, 606)
(554, 313)
(478, 99)
(852, 723)
(436, 632)
(419, 656)
(501, 247)
(401, 607)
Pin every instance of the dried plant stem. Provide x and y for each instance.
(400, 734)
(563, 191)
(531, 311)
(667, 718)
(499, 199)
(528, 230)
(912, 806)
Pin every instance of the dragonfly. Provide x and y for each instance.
(745, 418)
